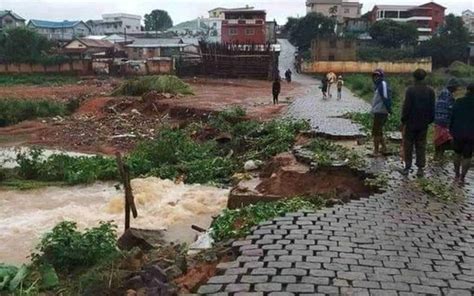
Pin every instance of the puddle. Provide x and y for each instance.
(161, 204)
(8, 155)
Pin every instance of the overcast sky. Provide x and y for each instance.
(180, 10)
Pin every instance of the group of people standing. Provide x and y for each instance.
(326, 83)
(453, 119)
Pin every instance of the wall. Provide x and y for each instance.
(333, 50)
(366, 67)
(241, 37)
(149, 67)
(79, 67)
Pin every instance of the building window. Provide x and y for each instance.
(333, 43)
(347, 44)
(249, 31)
(128, 27)
(332, 57)
(233, 31)
(391, 14)
(347, 10)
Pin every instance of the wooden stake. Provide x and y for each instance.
(129, 199)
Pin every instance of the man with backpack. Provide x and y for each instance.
(381, 108)
(417, 114)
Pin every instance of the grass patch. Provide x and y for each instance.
(162, 84)
(13, 111)
(326, 153)
(439, 189)
(37, 79)
(238, 223)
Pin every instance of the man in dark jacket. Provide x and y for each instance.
(462, 130)
(417, 115)
(276, 89)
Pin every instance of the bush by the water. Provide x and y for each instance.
(237, 223)
(67, 249)
(162, 84)
(37, 79)
(64, 168)
(16, 110)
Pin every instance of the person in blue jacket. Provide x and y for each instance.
(381, 108)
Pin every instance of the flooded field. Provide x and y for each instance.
(161, 204)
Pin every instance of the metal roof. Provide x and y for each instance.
(396, 7)
(157, 42)
(5, 12)
(96, 43)
(54, 25)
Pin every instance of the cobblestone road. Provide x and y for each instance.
(400, 242)
(397, 243)
(324, 115)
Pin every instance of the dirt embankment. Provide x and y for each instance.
(105, 124)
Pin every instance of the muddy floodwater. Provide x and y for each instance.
(26, 215)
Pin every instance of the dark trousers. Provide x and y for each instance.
(416, 139)
(275, 98)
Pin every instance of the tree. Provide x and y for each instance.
(22, 45)
(158, 20)
(391, 34)
(449, 44)
(310, 27)
(290, 24)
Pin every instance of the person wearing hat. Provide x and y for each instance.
(417, 115)
(462, 130)
(381, 107)
(443, 110)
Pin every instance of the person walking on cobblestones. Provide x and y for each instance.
(443, 110)
(276, 89)
(340, 83)
(417, 115)
(324, 87)
(462, 129)
(381, 107)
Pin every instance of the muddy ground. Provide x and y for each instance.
(106, 124)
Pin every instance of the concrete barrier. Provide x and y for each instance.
(78, 67)
(366, 67)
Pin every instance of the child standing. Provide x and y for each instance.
(340, 83)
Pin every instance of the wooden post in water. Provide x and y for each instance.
(129, 199)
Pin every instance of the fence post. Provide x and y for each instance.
(129, 199)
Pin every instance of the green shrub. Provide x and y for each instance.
(237, 223)
(37, 79)
(162, 84)
(67, 249)
(72, 170)
(13, 111)
(461, 70)
(174, 153)
(377, 54)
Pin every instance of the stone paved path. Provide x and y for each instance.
(324, 115)
(400, 242)
(397, 243)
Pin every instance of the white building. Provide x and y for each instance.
(468, 18)
(116, 23)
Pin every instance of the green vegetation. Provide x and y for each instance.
(13, 111)
(162, 84)
(379, 54)
(237, 223)
(67, 262)
(63, 168)
(22, 45)
(392, 34)
(378, 181)
(439, 189)
(37, 79)
(326, 153)
(173, 153)
(303, 30)
(67, 249)
(158, 20)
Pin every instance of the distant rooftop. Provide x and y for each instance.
(5, 12)
(157, 42)
(229, 9)
(54, 25)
